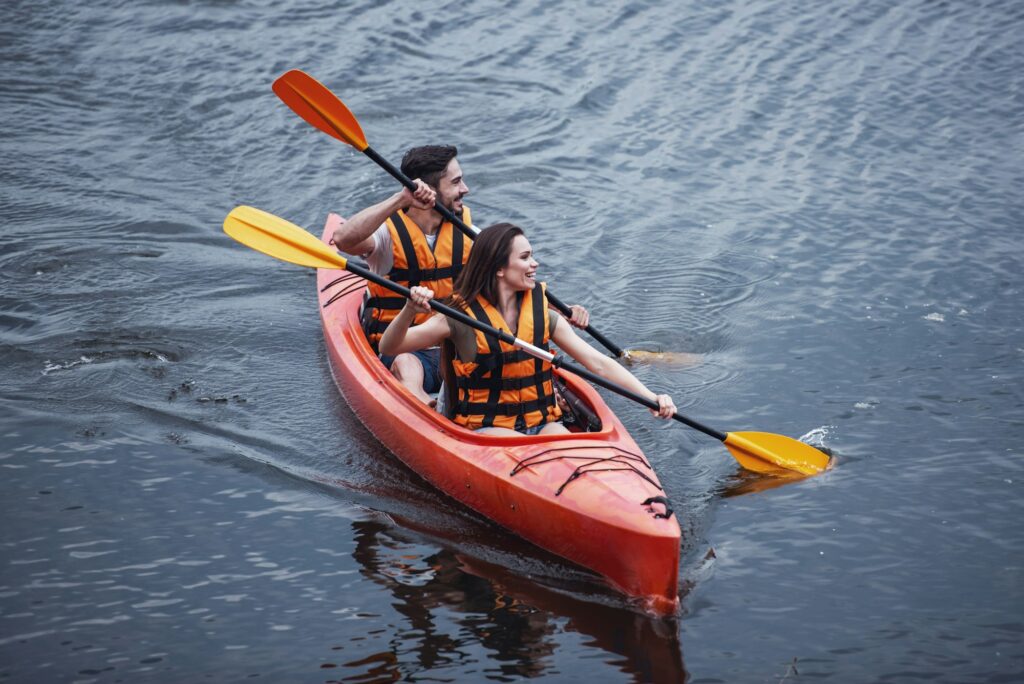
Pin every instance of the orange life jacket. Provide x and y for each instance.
(415, 263)
(504, 386)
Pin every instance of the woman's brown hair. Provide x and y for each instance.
(491, 251)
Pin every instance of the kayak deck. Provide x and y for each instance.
(589, 497)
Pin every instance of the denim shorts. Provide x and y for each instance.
(532, 430)
(430, 359)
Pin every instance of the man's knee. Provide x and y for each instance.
(407, 367)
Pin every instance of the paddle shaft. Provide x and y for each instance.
(556, 361)
(471, 234)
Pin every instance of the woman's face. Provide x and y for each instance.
(521, 271)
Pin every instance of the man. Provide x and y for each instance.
(405, 239)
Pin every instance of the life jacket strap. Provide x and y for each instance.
(486, 363)
(384, 303)
(482, 408)
(413, 277)
(474, 383)
(401, 275)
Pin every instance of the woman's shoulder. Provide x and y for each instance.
(463, 338)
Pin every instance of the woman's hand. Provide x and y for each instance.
(580, 316)
(666, 407)
(419, 299)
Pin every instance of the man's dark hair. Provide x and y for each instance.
(428, 162)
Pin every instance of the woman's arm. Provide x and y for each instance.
(400, 337)
(609, 369)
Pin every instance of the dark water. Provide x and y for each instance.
(823, 199)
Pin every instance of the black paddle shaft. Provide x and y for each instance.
(457, 222)
(555, 361)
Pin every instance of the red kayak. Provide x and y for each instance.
(590, 497)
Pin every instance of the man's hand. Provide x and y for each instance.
(423, 198)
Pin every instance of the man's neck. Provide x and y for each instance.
(428, 220)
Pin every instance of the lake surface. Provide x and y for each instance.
(823, 200)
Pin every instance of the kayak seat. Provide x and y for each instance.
(576, 414)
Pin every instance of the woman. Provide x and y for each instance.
(494, 387)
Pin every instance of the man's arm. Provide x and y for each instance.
(354, 236)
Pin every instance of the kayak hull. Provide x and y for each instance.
(584, 496)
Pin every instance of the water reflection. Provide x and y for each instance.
(515, 620)
(745, 482)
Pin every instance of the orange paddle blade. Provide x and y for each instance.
(310, 99)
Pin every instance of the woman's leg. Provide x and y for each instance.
(503, 432)
(554, 428)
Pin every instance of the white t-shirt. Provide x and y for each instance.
(382, 259)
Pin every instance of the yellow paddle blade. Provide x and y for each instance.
(765, 452)
(280, 239)
(310, 99)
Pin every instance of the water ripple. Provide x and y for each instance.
(821, 201)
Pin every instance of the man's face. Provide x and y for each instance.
(452, 188)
